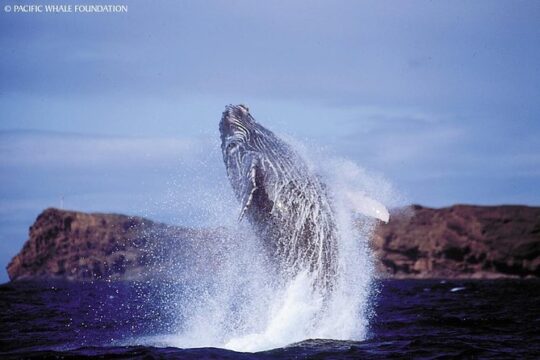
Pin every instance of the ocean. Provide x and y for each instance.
(409, 319)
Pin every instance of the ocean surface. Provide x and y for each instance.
(420, 319)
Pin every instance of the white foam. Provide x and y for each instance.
(244, 308)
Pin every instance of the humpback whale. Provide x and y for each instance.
(284, 201)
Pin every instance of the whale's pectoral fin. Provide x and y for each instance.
(367, 206)
(251, 187)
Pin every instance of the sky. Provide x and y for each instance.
(119, 112)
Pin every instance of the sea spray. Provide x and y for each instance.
(237, 302)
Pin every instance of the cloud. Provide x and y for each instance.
(53, 150)
(107, 173)
(397, 137)
(312, 52)
(445, 158)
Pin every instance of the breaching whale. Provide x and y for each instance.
(286, 204)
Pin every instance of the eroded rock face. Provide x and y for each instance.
(456, 242)
(78, 246)
(461, 241)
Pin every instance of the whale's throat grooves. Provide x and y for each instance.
(282, 199)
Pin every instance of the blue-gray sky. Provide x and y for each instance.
(112, 110)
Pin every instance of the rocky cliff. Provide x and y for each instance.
(461, 241)
(456, 242)
(79, 246)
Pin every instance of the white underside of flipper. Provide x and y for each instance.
(364, 205)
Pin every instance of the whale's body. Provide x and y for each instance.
(284, 201)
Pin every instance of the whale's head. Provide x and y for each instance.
(239, 133)
(236, 128)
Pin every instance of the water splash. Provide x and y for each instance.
(237, 303)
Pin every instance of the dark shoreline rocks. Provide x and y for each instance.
(462, 241)
(74, 245)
